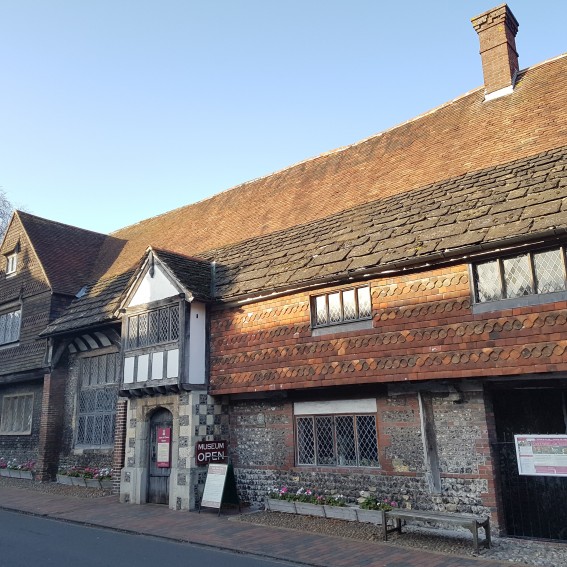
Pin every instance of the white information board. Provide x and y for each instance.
(214, 486)
(541, 455)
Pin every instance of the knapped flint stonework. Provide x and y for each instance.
(264, 456)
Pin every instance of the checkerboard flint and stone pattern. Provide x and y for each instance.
(211, 417)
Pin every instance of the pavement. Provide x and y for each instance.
(208, 529)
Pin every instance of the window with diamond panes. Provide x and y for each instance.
(97, 400)
(342, 307)
(537, 272)
(337, 440)
(153, 327)
(10, 326)
(17, 412)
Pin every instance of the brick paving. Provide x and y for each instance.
(208, 529)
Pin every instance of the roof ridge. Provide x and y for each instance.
(336, 150)
(61, 224)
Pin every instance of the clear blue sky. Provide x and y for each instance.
(113, 111)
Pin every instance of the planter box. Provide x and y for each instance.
(275, 505)
(64, 479)
(4, 472)
(106, 483)
(14, 473)
(307, 509)
(341, 512)
(26, 474)
(92, 482)
(370, 516)
(78, 481)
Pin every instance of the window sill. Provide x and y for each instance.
(2, 433)
(515, 302)
(363, 325)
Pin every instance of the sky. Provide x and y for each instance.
(113, 111)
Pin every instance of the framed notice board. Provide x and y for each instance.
(220, 487)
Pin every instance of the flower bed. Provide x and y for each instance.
(369, 508)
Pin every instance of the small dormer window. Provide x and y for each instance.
(11, 263)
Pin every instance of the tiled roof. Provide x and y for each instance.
(96, 307)
(522, 199)
(525, 197)
(99, 302)
(67, 253)
(470, 173)
(465, 135)
(193, 273)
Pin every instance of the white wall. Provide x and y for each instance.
(197, 343)
(153, 288)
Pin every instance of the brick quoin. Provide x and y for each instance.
(119, 452)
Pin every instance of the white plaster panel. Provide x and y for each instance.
(129, 369)
(335, 406)
(197, 343)
(157, 365)
(153, 288)
(173, 363)
(143, 366)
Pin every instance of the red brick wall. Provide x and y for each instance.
(423, 328)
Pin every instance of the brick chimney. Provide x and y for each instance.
(497, 30)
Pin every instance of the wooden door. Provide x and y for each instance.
(158, 477)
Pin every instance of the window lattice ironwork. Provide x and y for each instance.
(10, 326)
(153, 327)
(342, 306)
(548, 267)
(337, 440)
(517, 276)
(537, 272)
(97, 400)
(17, 413)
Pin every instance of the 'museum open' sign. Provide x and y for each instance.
(210, 452)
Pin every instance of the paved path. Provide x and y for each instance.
(208, 529)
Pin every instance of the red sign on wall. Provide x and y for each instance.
(164, 447)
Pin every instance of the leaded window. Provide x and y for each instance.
(17, 412)
(153, 327)
(529, 273)
(10, 326)
(341, 306)
(337, 440)
(98, 378)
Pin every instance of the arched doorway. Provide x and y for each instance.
(161, 422)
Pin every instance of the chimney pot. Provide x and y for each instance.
(497, 31)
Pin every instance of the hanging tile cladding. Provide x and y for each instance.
(423, 328)
(30, 285)
(522, 198)
(466, 134)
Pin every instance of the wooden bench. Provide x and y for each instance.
(469, 521)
